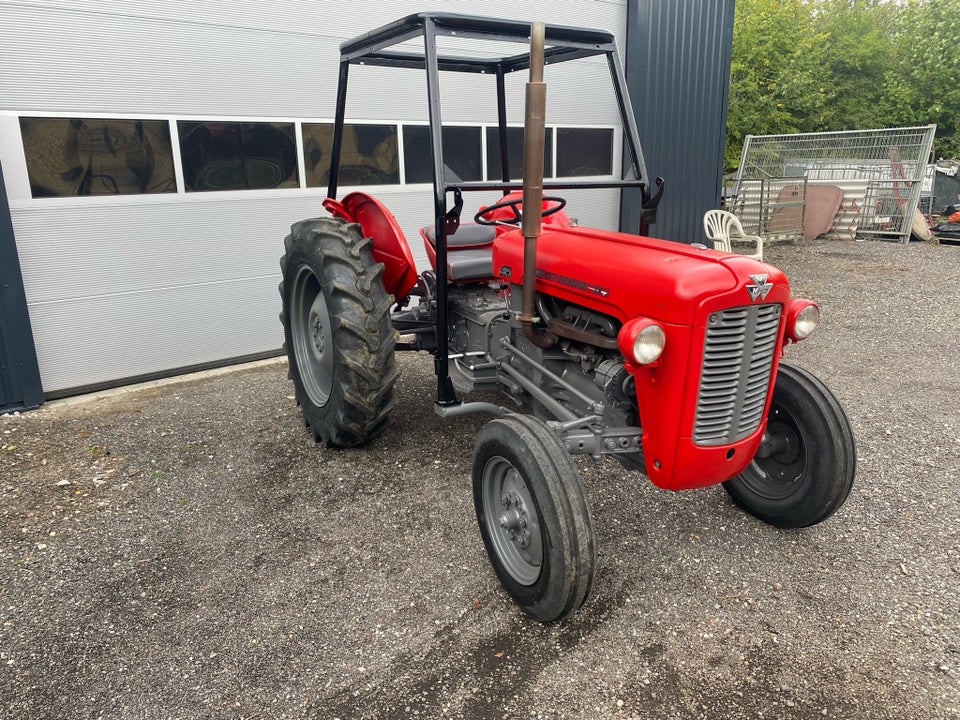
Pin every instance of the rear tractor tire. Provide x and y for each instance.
(533, 516)
(337, 331)
(804, 469)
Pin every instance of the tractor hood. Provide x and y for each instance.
(629, 275)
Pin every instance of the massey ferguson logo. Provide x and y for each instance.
(759, 287)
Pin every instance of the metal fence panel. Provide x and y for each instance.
(891, 162)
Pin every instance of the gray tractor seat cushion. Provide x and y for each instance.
(469, 235)
(469, 251)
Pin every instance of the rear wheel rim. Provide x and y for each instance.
(311, 335)
(512, 520)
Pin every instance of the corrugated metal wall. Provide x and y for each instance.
(678, 69)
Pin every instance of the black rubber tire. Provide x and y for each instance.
(337, 331)
(810, 477)
(518, 460)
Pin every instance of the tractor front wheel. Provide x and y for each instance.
(533, 515)
(804, 468)
(337, 331)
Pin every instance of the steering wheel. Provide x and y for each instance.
(514, 204)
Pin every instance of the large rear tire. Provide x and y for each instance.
(804, 470)
(533, 516)
(337, 331)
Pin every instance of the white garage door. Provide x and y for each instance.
(155, 155)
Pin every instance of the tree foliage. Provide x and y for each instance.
(817, 65)
(855, 58)
(924, 84)
(773, 84)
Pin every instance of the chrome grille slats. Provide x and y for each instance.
(735, 373)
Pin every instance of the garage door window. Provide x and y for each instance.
(461, 153)
(515, 153)
(69, 157)
(584, 151)
(368, 157)
(237, 155)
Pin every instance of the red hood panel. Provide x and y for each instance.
(630, 275)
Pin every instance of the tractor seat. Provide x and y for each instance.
(469, 251)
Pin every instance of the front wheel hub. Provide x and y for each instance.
(516, 534)
(781, 457)
(514, 520)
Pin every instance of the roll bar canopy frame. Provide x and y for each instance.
(563, 44)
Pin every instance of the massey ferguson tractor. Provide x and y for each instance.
(663, 356)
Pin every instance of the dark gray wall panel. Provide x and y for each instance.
(19, 373)
(678, 70)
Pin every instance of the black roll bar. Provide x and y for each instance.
(563, 44)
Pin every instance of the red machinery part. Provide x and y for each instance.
(389, 244)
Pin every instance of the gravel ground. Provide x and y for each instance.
(187, 551)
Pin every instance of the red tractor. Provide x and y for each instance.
(661, 355)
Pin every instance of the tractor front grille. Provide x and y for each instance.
(735, 375)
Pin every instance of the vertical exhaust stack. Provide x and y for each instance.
(535, 111)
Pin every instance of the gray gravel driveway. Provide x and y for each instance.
(187, 551)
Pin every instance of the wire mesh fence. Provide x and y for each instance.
(881, 173)
(772, 207)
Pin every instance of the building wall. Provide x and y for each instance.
(133, 285)
(679, 71)
(19, 375)
(127, 286)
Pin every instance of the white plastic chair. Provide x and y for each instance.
(723, 227)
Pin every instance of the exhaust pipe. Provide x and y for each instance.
(535, 112)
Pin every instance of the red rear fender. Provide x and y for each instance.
(389, 244)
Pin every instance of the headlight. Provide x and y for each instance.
(804, 316)
(642, 341)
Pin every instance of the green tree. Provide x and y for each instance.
(855, 60)
(815, 65)
(774, 83)
(924, 85)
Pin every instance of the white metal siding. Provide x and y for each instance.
(120, 287)
(245, 58)
(141, 288)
